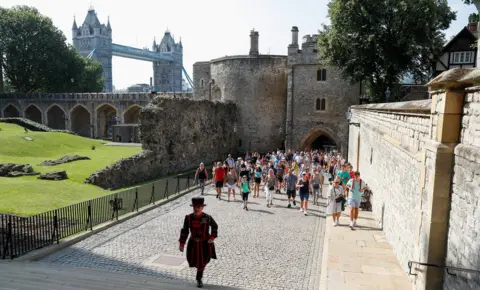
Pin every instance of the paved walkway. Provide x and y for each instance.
(264, 248)
(360, 259)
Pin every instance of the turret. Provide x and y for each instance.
(74, 28)
(254, 42)
(154, 45)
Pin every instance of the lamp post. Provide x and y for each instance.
(348, 116)
(387, 94)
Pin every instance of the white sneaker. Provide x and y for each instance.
(351, 224)
(354, 223)
(305, 213)
(335, 224)
(301, 209)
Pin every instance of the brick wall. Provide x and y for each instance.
(390, 141)
(463, 248)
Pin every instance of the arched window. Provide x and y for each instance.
(323, 105)
(317, 104)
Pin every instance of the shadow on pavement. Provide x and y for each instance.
(105, 264)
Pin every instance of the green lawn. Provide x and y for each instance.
(28, 195)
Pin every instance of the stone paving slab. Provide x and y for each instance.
(360, 259)
(264, 248)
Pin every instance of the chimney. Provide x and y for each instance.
(294, 36)
(473, 24)
(473, 27)
(254, 42)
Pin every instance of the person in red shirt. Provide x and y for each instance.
(220, 174)
(352, 173)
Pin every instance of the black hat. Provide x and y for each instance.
(198, 201)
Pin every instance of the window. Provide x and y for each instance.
(321, 75)
(201, 83)
(462, 57)
(320, 104)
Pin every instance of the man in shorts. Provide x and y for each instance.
(291, 180)
(356, 186)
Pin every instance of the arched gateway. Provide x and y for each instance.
(321, 138)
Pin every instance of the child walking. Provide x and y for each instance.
(245, 188)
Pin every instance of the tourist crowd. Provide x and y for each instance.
(289, 173)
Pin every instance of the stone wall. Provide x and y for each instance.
(387, 150)
(422, 161)
(258, 86)
(176, 134)
(310, 123)
(463, 248)
(201, 80)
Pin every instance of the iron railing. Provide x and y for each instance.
(20, 235)
(447, 268)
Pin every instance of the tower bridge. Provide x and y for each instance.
(93, 40)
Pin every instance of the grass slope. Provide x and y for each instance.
(28, 195)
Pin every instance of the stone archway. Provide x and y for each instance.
(106, 118)
(56, 117)
(80, 120)
(132, 115)
(10, 111)
(321, 138)
(33, 113)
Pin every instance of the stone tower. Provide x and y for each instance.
(167, 76)
(92, 35)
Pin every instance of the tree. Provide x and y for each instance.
(92, 77)
(36, 57)
(381, 41)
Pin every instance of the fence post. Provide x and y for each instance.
(8, 238)
(188, 180)
(116, 205)
(136, 198)
(166, 189)
(55, 227)
(177, 189)
(90, 215)
(152, 197)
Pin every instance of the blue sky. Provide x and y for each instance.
(208, 28)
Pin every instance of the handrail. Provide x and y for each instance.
(448, 268)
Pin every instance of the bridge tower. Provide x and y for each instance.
(96, 37)
(167, 75)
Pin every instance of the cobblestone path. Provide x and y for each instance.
(264, 248)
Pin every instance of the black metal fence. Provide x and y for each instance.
(20, 235)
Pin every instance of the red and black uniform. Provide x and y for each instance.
(199, 250)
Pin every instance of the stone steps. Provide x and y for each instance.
(46, 276)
